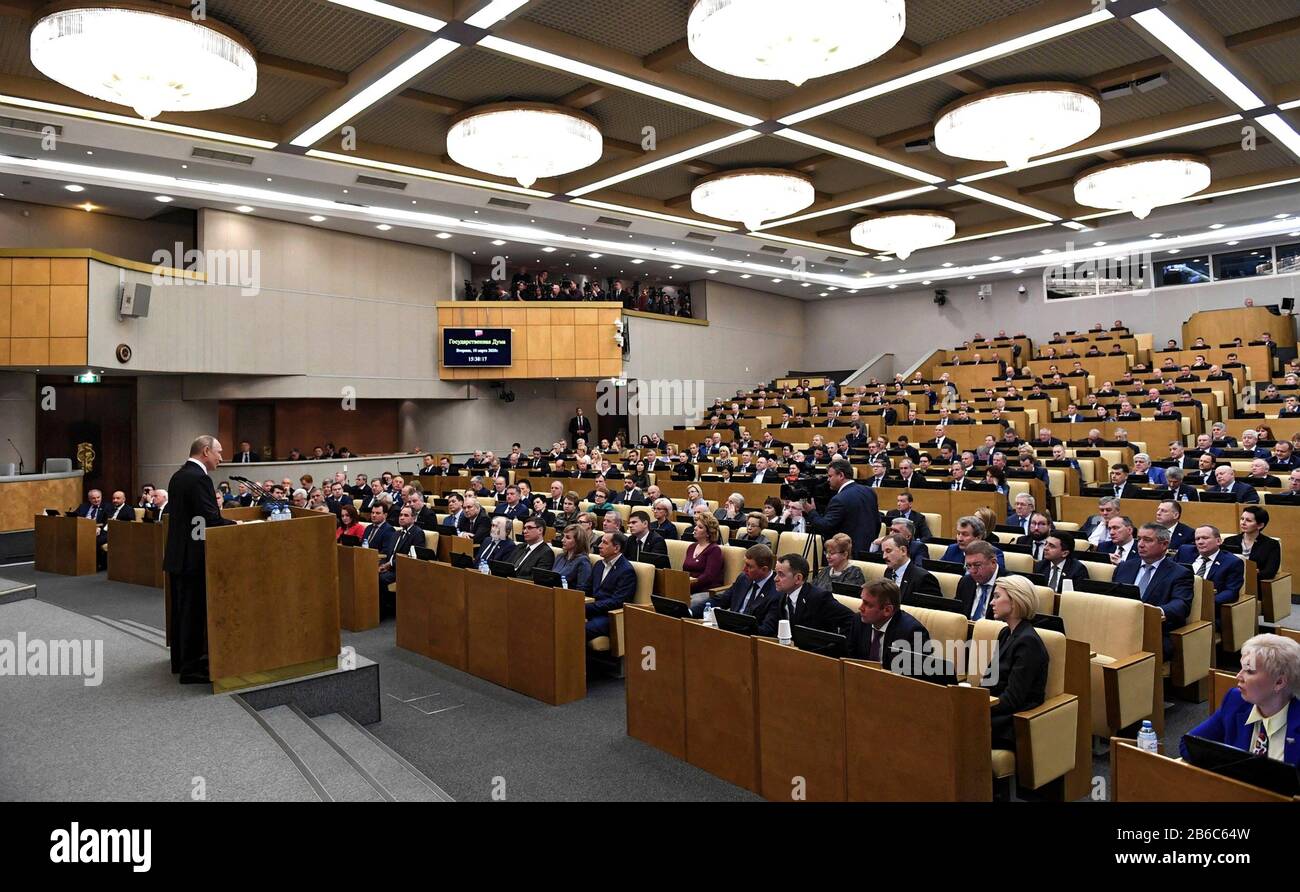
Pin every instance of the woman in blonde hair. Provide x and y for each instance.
(839, 551)
(1018, 677)
(1261, 715)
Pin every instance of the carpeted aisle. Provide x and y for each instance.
(137, 736)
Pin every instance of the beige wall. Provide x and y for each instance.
(25, 225)
(751, 337)
(166, 425)
(538, 417)
(18, 417)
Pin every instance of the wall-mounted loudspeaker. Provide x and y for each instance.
(123, 353)
(133, 300)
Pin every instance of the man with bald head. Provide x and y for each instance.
(193, 509)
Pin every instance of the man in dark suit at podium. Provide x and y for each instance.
(192, 504)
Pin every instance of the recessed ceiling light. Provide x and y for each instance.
(892, 287)
(832, 288)
(73, 187)
(593, 256)
(745, 275)
(1172, 251)
(443, 235)
(165, 199)
(712, 272)
(995, 258)
(316, 218)
(926, 282)
(946, 265)
(383, 227)
(1216, 225)
(1017, 271)
(970, 277)
(806, 285)
(676, 266)
(89, 152)
(1099, 244)
(1294, 234)
(244, 209)
(776, 281)
(1280, 216)
(498, 242)
(1157, 234)
(549, 250)
(823, 294)
(638, 260)
(87, 207)
(1048, 251)
(901, 270)
(1230, 244)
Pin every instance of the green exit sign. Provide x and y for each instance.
(88, 378)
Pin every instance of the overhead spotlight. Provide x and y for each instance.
(383, 227)
(244, 209)
(165, 199)
(73, 187)
(443, 235)
(316, 218)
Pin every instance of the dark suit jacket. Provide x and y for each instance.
(405, 540)
(1073, 570)
(853, 511)
(502, 551)
(1227, 573)
(916, 581)
(632, 549)
(382, 538)
(518, 512)
(526, 562)
(734, 596)
(480, 526)
(918, 520)
(1110, 548)
(1228, 725)
(97, 515)
(901, 634)
(189, 495)
(1241, 492)
(613, 589)
(1022, 671)
(126, 512)
(1170, 589)
(241, 458)
(1267, 554)
(817, 609)
(1181, 534)
(968, 594)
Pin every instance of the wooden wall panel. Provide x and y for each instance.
(67, 351)
(560, 340)
(44, 308)
(29, 351)
(5, 351)
(6, 301)
(68, 306)
(30, 311)
(31, 271)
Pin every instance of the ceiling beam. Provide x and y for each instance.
(836, 133)
(1037, 18)
(694, 140)
(1265, 34)
(585, 96)
(966, 81)
(808, 165)
(1047, 186)
(678, 200)
(700, 168)
(902, 137)
(1125, 74)
(902, 51)
(301, 71)
(667, 57)
(622, 145)
(438, 104)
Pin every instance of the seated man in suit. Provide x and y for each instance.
(1225, 571)
(753, 591)
(905, 572)
(1225, 481)
(970, 529)
(1021, 512)
(800, 603)
(641, 539)
(408, 536)
(1142, 465)
(1121, 546)
(1260, 476)
(534, 553)
(499, 545)
(1261, 715)
(1169, 514)
(474, 522)
(903, 508)
(975, 588)
(380, 535)
(884, 629)
(93, 507)
(1178, 489)
(513, 507)
(611, 585)
(1059, 563)
(1040, 527)
(1165, 584)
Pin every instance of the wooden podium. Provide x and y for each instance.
(273, 602)
(358, 588)
(65, 545)
(135, 552)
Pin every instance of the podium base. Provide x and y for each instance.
(354, 692)
(284, 673)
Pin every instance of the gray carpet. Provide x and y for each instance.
(137, 736)
(469, 736)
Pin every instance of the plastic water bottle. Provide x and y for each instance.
(564, 581)
(483, 567)
(1147, 739)
(708, 615)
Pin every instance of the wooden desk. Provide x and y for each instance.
(546, 654)
(1139, 776)
(23, 497)
(656, 689)
(800, 724)
(65, 545)
(135, 552)
(721, 704)
(487, 621)
(944, 755)
(358, 587)
(1101, 368)
(1221, 326)
(1155, 434)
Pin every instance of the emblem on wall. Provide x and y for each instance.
(86, 457)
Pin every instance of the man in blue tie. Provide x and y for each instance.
(1162, 583)
(611, 585)
(1225, 571)
(975, 588)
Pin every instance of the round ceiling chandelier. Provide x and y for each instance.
(524, 141)
(752, 195)
(785, 41)
(1140, 184)
(902, 232)
(1014, 123)
(153, 59)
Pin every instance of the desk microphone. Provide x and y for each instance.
(19, 454)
